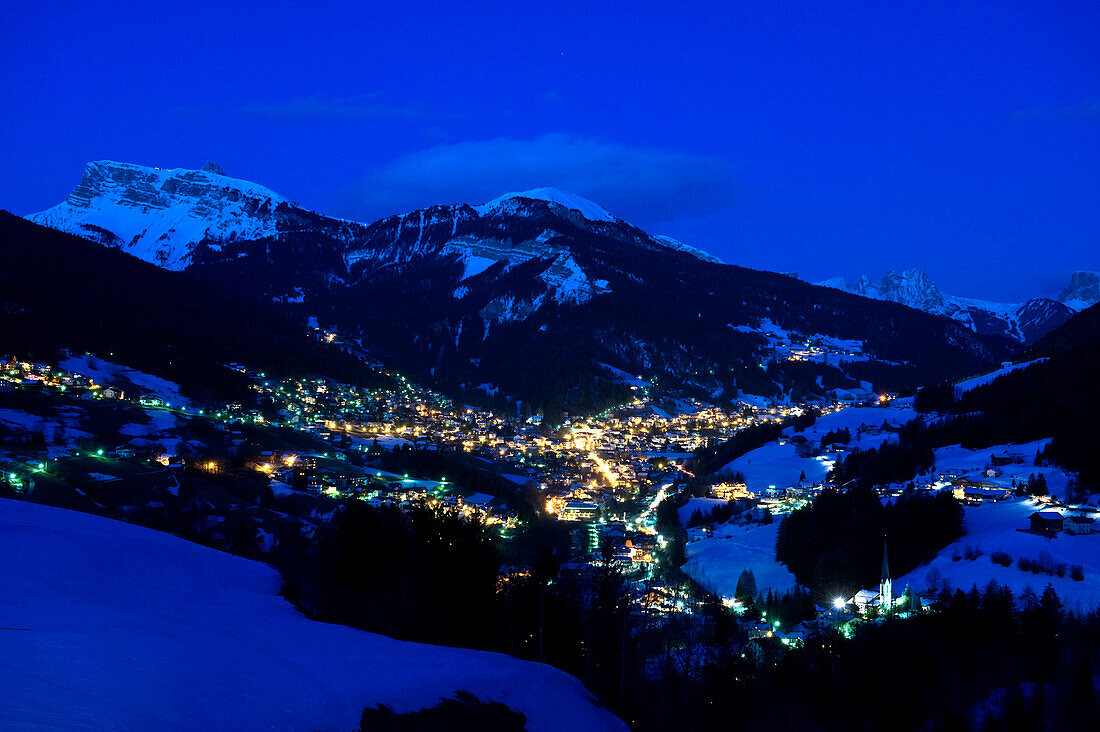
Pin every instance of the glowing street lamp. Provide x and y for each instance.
(839, 603)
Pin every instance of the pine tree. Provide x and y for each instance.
(746, 587)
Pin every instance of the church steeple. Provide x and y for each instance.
(886, 585)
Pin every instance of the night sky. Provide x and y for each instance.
(962, 138)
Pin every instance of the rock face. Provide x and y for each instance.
(1083, 290)
(166, 216)
(1024, 322)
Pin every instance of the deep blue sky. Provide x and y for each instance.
(961, 137)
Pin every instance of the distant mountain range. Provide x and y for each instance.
(1025, 322)
(539, 296)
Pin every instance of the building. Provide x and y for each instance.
(1047, 523)
(580, 511)
(1078, 525)
(974, 495)
(886, 585)
(865, 599)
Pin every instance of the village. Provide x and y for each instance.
(605, 476)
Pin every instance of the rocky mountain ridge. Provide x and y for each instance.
(528, 295)
(1024, 322)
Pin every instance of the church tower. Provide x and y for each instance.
(886, 585)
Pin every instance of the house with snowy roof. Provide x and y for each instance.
(1078, 525)
(1047, 523)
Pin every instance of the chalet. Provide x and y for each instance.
(1078, 525)
(1047, 523)
(759, 629)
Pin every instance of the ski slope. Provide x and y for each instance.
(106, 625)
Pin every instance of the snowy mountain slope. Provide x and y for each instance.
(679, 246)
(162, 216)
(1023, 322)
(98, 635)
(570, 201)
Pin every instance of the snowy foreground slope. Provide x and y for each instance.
(107, 625)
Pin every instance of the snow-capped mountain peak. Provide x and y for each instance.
(167, 216)
(912, 288)
(571, 201)
(159, 214)
(1083, 290)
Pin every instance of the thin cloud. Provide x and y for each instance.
(366, 106)
(639, 184)
(1088, 110)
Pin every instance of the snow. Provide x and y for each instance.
(105, 373)
(478, 499)
(23, 421)
(971, 463)
(98, 634)
(158, 215)
(970, 384)
(716, 563)
(624, 377)
(517, 479)
(863, 423)
(914, 289)
(280, 489)
(389, 442)
(475, 265)
(586, 208)
(679, 246)
(705, 505)
(61, 432)
(993, 527)
(776, 465)
(568, 278)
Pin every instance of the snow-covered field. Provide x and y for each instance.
(106, 625)
(776, 465)
(716, 563)
(993, 527)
